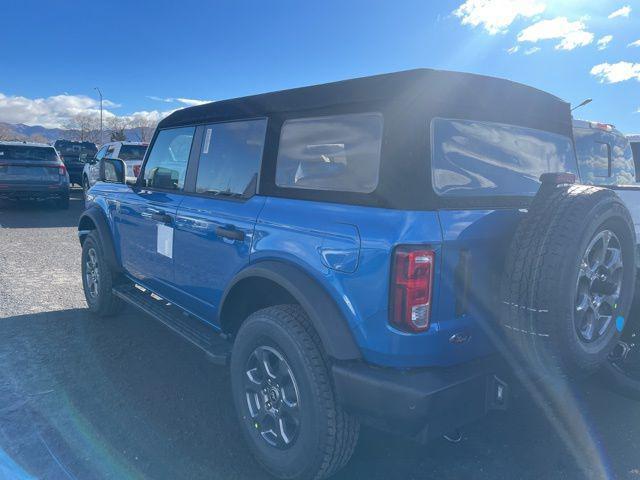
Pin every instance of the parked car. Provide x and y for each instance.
(74, 155)
(131, 153)
(32, 171)
(378, 250)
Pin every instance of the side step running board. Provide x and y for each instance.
(193, 329)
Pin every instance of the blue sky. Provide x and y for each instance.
(152, 57)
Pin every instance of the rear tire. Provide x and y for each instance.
(98, 279)
(321, 436)
(561, 311)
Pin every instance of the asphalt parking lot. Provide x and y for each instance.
(83, 398)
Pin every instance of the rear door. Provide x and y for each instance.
(216, 220)
(145, 215)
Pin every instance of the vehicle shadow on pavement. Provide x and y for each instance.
(34, 214)
(82, 397)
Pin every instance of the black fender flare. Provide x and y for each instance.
(329, 322)
(97, 217)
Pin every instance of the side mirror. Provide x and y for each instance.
(112, 170)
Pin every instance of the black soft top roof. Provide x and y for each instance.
(441, 92)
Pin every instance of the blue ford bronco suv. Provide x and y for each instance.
(375, 250)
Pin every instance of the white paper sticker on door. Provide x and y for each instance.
(165, 241)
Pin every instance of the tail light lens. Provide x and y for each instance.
(62, 170)
(136, 170)
(412, 288)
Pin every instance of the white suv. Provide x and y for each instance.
(132, 153)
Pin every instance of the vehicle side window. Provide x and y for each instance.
(101, 153)
(110, 151)
(338, 153)
(230, 157)
(167, 163)
(635, 148)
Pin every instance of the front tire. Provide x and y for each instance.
(284, 397)
(98, 279)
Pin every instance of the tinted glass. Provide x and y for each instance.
(101, 153)
(605, 158)
(339, 153)
(167, 162)
(635, 148)
(594, 155)
(18, 152)
(132, 152)
(473, 158)
(230, 157)
(623, 167)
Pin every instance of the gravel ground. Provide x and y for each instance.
(82, 398)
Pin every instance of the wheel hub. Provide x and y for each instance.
(272, 397)
(598, 287)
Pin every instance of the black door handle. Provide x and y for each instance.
(230, 233)
(161, 217)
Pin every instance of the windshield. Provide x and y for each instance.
(472, 158)
(132, 152)
(19, 152)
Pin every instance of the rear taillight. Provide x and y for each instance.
(136, 170)
(411, 288)
(62, 170)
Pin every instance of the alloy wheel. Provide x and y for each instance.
(272, 397)
(598, 287)
(92, 273)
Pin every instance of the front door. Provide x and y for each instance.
(215, 223)
(145, 216)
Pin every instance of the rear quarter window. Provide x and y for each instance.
(337, 153)
(473, 158)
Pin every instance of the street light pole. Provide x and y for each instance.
(101, 136)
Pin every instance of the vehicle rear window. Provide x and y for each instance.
(635, 148)
(132, 152)
(18, 152)
(473, 158)
(604, 158)
(338, 153)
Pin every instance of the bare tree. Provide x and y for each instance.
(117, 127)
(83, 128)
(142, 128)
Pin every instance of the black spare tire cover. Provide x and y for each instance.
(569, 280)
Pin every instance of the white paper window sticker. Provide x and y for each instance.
(207, 141)
(165, 240)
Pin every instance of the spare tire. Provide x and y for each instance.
(569, 280)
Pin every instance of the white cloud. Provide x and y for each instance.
(57, 110)
(634, 44)
(185, 101)
(51, 111)
(616, 72)
(621, 12)
(532, 50)
(513, 49)
(495, 16)
(570, 34)
(603, 42)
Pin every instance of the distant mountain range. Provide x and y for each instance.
(38, 133)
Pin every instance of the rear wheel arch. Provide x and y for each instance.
(272, 283)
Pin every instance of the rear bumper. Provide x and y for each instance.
(422, 403)
(30, 192)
